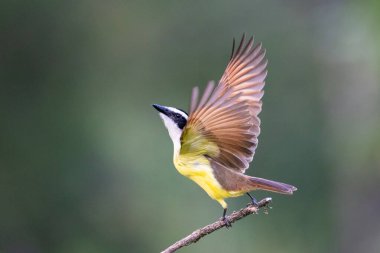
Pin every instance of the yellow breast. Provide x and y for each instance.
(199, 170)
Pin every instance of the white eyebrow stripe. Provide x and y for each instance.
(178, 111)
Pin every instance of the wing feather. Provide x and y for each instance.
(206, 94)
(194, 99)
(224, 125)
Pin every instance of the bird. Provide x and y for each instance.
(215, 142)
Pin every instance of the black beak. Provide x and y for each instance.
(161, 109)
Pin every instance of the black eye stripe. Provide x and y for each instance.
(176, 115)
(179, 119)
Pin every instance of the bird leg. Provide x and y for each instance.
(225, 219)
(253, 200)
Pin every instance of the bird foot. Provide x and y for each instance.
(266, 206)
(254, 204)
(226, 221)
(253, 201)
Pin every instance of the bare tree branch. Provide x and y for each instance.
(199, 233)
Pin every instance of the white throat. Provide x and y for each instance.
(174, 132)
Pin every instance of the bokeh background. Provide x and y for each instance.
(86, 163)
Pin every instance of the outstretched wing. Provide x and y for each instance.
(224, 123)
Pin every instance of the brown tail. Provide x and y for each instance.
(273, 186)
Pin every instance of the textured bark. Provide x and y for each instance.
(199, 233)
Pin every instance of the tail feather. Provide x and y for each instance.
(269, 185)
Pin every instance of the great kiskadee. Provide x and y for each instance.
(216, 141)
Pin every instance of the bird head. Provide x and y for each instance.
(174, 120)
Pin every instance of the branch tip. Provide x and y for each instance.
(234, 216)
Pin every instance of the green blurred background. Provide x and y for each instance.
(86, 163)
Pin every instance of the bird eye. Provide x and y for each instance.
(178, 116)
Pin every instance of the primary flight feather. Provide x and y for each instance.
(215, 143)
